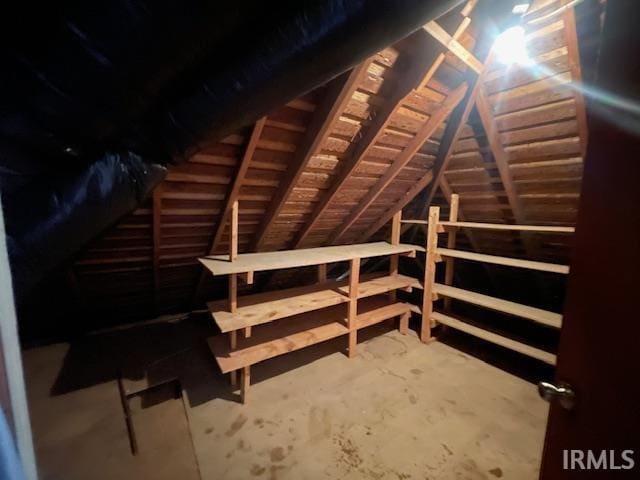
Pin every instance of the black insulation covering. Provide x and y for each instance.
(152, 78)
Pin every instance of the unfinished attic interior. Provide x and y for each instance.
(362, 243)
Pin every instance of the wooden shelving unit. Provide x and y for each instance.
(277, 322)
(433, 291)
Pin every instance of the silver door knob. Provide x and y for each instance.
(562, 392)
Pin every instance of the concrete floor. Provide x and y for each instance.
(399, 410)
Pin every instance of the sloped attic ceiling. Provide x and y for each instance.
(406, 128)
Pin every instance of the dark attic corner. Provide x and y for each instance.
(384, 239)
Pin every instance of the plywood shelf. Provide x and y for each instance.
(501, 226)
(510, 262)
(505, 342)
(538, 315)
(300, 331)
(270, 306)
(256, 262)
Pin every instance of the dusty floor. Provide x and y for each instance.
(399, 410)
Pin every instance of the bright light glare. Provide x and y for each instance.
(510, 47)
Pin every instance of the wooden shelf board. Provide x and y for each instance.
(269, 306)
(505, 342)
(283, 336)
(538, 315)
(501, 226)
(300, 331)
(256, 262)
(510, 262)
(381, 313)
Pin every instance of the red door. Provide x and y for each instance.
(599, 353)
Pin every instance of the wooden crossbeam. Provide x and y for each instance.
(334, 102)
(454, 46)
(232, 196)
(402, 159)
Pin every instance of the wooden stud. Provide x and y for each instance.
(429, 273)
(404, 323)
(454, 204)
(233, 292)
(326, 115)
(246, 277)
(245, 382)
(322, 273)
(395, 240)
(354, 280)
(233, 344)
(233, 232)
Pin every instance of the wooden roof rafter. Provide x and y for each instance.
(416, 78)
(232, 196)
(402, 159)
(338, 94)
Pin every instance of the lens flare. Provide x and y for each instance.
(510, 47)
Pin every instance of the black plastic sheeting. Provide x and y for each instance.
(83, 79)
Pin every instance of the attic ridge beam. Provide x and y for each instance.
(233, 195)
(402, 159)
(571, 39)
(335, 100)
(455, 47)
(399, 205)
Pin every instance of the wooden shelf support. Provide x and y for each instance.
(454, 204)
(354, 280)
(429, 273)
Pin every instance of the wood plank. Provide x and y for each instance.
(454, 207)
(354, 281)
(501, 226)
(336, 98)
(157, 241)
(267, 307)
(509, 262)
(295, 333)
(429, 273)
(383, 313)
(455, 47)
(425, 132)
(538, 315)
(505, 342)
(232, 197)
(256, 262)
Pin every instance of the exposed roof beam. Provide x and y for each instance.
(502, 163)
(571, 39)
(399, 205)
(454, 46)
(402, 159)
(337, 96)
(232, 195)
(417, 77)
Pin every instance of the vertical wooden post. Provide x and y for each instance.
(354, 280)
(454, 205)
(245, 382)
(233, 232)
(395, 240)
(404, 323)
(233, 279)
(429, 273)
(322, 273)
(157, 221)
